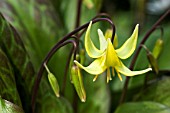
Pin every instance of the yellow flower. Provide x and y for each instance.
(107, 57)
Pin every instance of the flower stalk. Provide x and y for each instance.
(61, 43)
(122, 98)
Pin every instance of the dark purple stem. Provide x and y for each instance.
(42, 68)
(79, 4)
(137, 53)
(55, 48)
(67, 66)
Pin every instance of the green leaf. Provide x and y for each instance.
(8, 107)
(8, 89)
(58, 105)
(142, 107)
(158, 92)
(14, 49)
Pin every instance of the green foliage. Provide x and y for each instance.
(8, 89)
(158, 92)
(8, 107)
(142, 107)
(30, 28)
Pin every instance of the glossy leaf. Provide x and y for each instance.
(142, 107)
(158, 92)
(8, 107)
(58, 105)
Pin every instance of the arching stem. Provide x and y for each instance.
(61, 43)
(137, 53)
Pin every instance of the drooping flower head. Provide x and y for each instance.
(107, 57)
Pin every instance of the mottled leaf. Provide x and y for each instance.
(8, 89)
(13, 47)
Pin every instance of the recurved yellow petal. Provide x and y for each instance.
(125, 71)
(96, 67)
(111, 56)
(91, 50)
(103, 42)
(127, 49)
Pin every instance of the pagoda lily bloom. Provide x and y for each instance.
(107, 57)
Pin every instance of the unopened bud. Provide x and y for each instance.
(157, 48)
(108, 34)
(53, 82)
(152, 60)
(82, 56)
(88, 3)
(78, 82)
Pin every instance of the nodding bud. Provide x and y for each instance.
(152, 60)
(53, 82)
(77, 57)
(78, 82)
(88, 3)
(82, 56)
(158, 48)
(108, 34)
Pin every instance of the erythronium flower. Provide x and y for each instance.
(107, 57)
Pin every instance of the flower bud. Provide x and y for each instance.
(53, 82)
(108, 34)
(78, 82)
(158, 48)
(152, 60)
(82, 56)
(88, 3)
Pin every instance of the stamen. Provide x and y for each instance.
(108, 75)
(119, 76)
(113, 72)
(94, 79)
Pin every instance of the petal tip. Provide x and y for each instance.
(75, 61)
(150, 69)
(99, 30)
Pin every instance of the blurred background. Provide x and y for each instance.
(42, 23)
